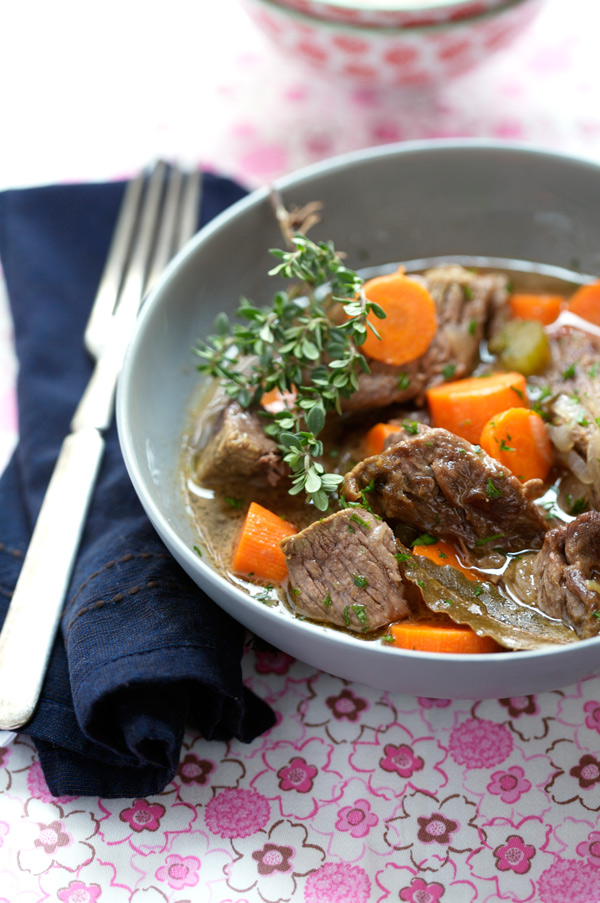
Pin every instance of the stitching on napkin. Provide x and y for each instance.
(16, 553)
(129, 556)
(118, 597)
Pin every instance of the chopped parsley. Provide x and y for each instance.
(569, 373)
(359, 520)
(403, 381)
(504, 446)
(425, 539)
(483, 542)
(197, 550)
(493, 491)
(578, 506)
(234, 503)
(360, 581)
(448, 371)
(327, 601)
(361, 614)
(411, 426)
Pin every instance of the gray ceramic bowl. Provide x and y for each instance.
(400, 202)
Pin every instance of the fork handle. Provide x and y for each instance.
(35, 609)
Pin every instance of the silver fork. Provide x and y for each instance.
(157, 216)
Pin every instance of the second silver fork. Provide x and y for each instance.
(158, 215)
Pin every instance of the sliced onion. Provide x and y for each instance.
(561, 436)
(579, 467)
(593, 459)
(462, 343)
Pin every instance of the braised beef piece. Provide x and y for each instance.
(441, 484)
(463, 300)
(343, 570)
(238, 449)
(572, 385)
(567, 571)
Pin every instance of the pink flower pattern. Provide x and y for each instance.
(337, 883)
(143, 816)
(401, 759)
(79, 892)
(587, 771)
(346, 705)
(357, 819)
(237, 813)
(422, 892)
(515, 855)
(592, 707)
(298, 775)
(509, 785)
(193, 770)
(179, 871)
(273, 858)
(569, 880)
(590, 848)
(520, 705)
(480, 743)
(51, 837)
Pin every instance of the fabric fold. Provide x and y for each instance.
(142, 650)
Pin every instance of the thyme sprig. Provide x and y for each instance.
(300, 347)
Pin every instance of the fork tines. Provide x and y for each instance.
(158, 215)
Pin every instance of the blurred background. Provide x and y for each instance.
(93, 91)
(252, 90)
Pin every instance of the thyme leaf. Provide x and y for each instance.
(296, 347)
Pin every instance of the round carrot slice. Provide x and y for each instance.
(410, 323)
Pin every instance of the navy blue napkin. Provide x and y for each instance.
(142, 651)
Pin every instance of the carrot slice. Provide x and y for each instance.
(465, 406)
(518, 438)
(544, 308)
(376, 436)
(442, 552)
(425, 636)
(275, 401)
(410, 323)
(585, 302)
(258, 551)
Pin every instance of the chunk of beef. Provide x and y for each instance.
(463, 301)
(567, 571)
(438, 483)
(343, 570)
(238, 449)
(572, 384)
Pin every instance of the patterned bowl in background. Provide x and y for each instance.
(385, 57)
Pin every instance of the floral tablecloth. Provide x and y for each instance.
(356, 795)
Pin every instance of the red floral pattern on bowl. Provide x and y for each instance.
(391, 56)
